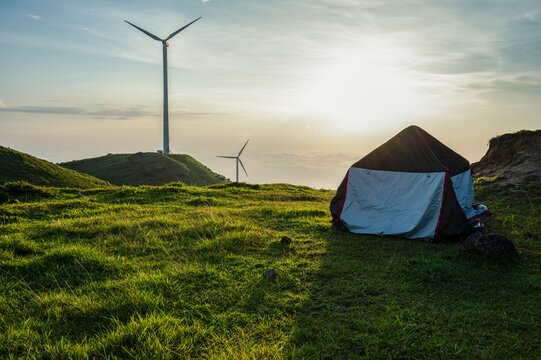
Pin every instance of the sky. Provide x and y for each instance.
(315, 85)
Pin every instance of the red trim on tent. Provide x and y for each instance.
(344, 198)
(442, 201)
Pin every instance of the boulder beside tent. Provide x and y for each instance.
(411, 186)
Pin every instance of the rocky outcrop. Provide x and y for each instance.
(514, 157)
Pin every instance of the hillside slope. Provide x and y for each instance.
(514, 157)
(16, 166)
(147, 169)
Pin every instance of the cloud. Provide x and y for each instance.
(118, 113)
(517, 84)
(533, 15)
(103, 111)
(314, 161)
(35, 17)
(44, 110)
(200, 113)
(67, 110)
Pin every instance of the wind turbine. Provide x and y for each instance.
(238, 160)
(165, 45)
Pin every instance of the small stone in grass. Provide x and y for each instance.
(270, 274)
(285, 240)
(80, 195)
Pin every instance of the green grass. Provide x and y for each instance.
(147, 169)
(18, 166)
(176, 272)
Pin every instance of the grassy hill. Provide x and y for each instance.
(176, 272)
(17, 166)
(147, 169)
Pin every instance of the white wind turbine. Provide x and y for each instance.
(238, 160)
(165, 45)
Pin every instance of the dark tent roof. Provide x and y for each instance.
(414, 150)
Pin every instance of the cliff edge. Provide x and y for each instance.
(515, 157)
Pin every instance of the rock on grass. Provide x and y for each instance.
(489, 244)
(270, 274)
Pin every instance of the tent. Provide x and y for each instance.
(411, 186)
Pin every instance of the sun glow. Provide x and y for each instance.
(365, 92)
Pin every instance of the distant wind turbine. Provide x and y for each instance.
(165, 45)
(238, 160)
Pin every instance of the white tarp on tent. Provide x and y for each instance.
(463, 185)
(391, 203)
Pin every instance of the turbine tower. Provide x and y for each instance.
(237, 160)
(165, 45)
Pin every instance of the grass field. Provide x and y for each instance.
(176, 272)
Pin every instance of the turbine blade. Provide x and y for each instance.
(146, 32)
(182, 28)
(241, 150)
(227, 157)
(240, 161)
